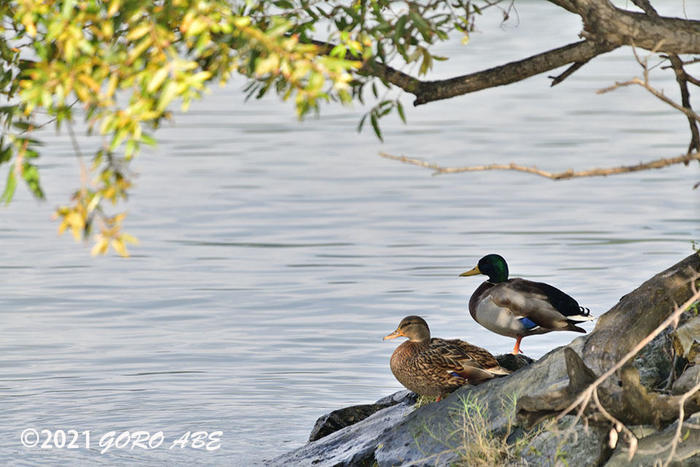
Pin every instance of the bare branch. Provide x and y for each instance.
(657, 93)
(582, 51)
(577, 53)
(681, 415)
(682, 79)
(598, 172)
(603, 21)
(618, 425)
(568, 72)
(646, 7)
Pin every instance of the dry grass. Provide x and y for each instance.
(468, 435)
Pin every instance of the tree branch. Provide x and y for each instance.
(636, 81)
(604, 22)
(582, 51)
(646, 7)
(568, 72)
(682, 79)
(598, 172)
(605, 28)
(681, 415)
(577, 53)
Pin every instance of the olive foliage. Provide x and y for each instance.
(119, 67)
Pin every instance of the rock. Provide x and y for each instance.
(583, 447)
(636, 315)
(530, 410)
(334, 421)
(513, 362)
(657, 445)
(353, 445)
(686, 340)
(687, 380)
(655, 361)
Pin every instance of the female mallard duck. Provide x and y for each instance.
(518, 307)
(435, 367)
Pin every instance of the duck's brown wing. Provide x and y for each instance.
(469, 361)
(437, 367)
(466, 353)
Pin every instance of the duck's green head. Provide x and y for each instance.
(493, 266)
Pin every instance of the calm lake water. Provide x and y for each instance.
(275, 254)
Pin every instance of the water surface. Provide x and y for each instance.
(275, 254)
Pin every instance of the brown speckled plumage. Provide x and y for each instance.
(435, 367)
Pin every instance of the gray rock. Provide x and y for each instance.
(352, 445)
(655, 361)
(334, 421)
(657, 446)
(689, 378)
(578, 447)
(686, 339)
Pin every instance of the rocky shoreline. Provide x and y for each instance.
(641, 395)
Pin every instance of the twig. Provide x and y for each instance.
(618, 425)
(568, 72)
(682, 79)
(681, 414)
(658, 94)
(598, 172)
(646, 6)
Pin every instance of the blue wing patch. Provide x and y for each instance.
(528, 323)
(452, 373)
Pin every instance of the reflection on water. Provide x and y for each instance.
(276, 254)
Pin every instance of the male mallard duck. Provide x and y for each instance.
(435, 367)
(518, 307)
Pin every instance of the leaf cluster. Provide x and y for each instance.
(119, 66)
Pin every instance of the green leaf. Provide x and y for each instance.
(157, 79)
(362, 123)
(10, 186)
(400, 27)
(421, 24)
(375, 126)
(148, 139)
(30, 174)
(167, 95)
(399, 108)
(427, 63)
(67, 9)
